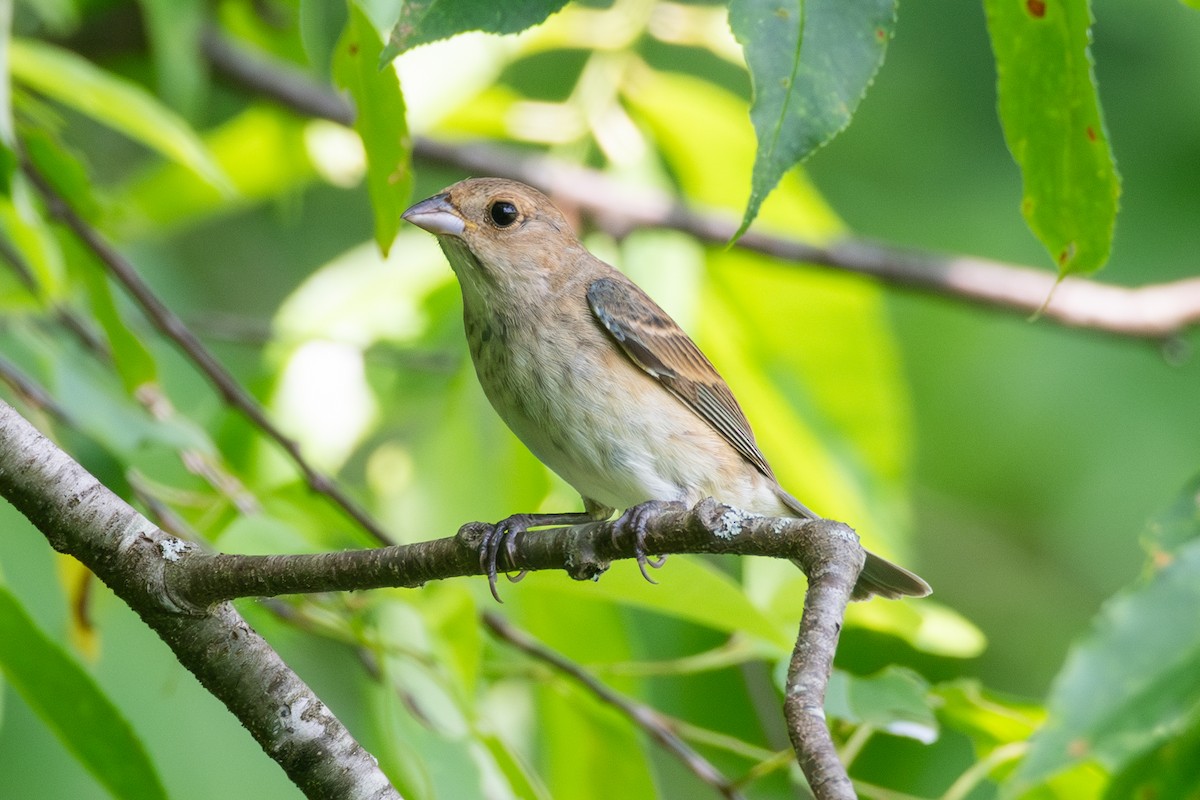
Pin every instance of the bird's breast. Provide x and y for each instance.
(602, 424)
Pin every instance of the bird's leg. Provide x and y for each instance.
(504, 533)
(633, 523)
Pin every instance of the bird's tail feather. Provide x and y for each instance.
(879, 576)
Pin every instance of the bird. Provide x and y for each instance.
(597, 380)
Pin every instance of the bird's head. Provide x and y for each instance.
(497, 230)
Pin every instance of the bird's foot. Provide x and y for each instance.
(633, 523)
(504, 535)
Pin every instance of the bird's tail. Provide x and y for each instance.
(879, 576)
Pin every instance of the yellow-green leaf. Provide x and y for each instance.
(379, 120)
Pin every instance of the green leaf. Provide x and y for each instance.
(73, 706)
(1132, 682)
(380, 122)
(424, 21)
(174, 28)
(1052, 122)
(112, 101)
(810, 62)
(1171, 770)
(321, 22)
(1192, 3)
(894, 700)
(131, 356)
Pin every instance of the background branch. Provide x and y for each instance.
(171, 326)
(81, 517)
(645, 717)
(1154, 311)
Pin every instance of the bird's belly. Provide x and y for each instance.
(611, 431)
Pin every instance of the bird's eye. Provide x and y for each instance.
(503, 213)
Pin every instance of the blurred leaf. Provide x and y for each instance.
(263, 149)
(262, 534)
(379, 120)
(1192, 3)
(688, 588)
(1052, 122)
(1172, 770)
(321, 23)
(928, 626)
(113, 101)
(985, 717)
(424, 21)
(133, 360)
(22, 224)
(73, 706)
(522, 781)
(62, 168)
(810, 62)
(691, 119)
(1132, 682)
(8, 135)
(586, 749)
(174, 28)
(893, 700)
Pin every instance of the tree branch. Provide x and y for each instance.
(81, 517)
(1155, 311)
(827, 550)
(645, 717)
(171, 326)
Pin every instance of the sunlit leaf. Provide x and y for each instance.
(424, 21)
(985, 717)
(810, 62)
(379, 120)
(73, 706)
(1052, 122)
(688, 589)
(1133, 681)
(112, 101)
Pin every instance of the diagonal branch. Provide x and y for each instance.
(1155, 311)
(645, 717)
(171, 326)
(81, 517)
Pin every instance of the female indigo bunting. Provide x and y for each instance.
(597, 381)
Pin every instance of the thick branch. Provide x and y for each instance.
(81, 517)
(1153, 311)
(828, 551)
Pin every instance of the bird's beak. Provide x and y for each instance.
(437, 216)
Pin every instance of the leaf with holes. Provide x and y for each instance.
(1051, 117)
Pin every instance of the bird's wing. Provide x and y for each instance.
(656, 344)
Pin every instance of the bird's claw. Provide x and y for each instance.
(502, 534)
(633, 523)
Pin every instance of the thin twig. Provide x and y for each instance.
(1155, 311)
(645, 717)
(174, 329)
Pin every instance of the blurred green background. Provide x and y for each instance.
(1013, 463)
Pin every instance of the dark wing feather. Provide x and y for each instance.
(656, 344)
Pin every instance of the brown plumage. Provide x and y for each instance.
(594, 377)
